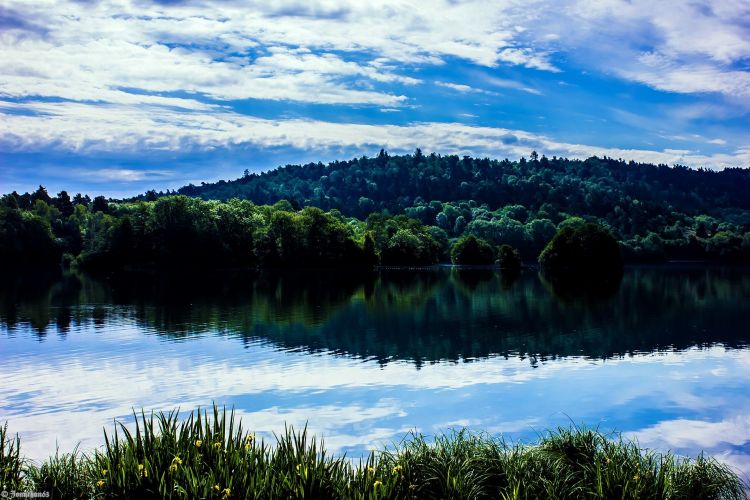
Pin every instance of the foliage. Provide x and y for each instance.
(404, 241)
(470, 250)
(509, 258)
(318, 215)
(521, 203)
(65, 475)
(183, 232)
(582, 250)
(215, 457)
(11, 464)
(26, 238)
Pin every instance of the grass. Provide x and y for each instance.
(210, 455)
(11, 464)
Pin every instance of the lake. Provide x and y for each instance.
(364, 359)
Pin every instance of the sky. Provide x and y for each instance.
(120, 96)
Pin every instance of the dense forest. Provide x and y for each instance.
(390, 210)
(179, 231)
(655, 211)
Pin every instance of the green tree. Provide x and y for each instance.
(405, 248)
(64, 204)
(509, 258)
(26, 240)
(470, 250)
(582, 250)
(100, 204)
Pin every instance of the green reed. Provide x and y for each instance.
(11, 464)
(208, 454)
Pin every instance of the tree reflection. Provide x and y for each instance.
(420, 317)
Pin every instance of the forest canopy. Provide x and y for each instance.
(390, 210)
(656, 212)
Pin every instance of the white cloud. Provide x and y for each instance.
(702, 434)
(145, 61)
(97, 71)
(686, 47)
(111, 128)
(457, 87)
(662, 73)
(509, 84)
(121, 174)
(464, 89)
(311, 52)
(527, 57)
(282, 50)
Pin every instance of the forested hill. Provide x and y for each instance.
(392, 210)
(654, 210)
(596, 186)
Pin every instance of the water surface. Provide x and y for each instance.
(364, 359)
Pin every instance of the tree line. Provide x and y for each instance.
(180, 231)
(408, 210)
(656, 212)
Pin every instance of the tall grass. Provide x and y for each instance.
(64, 476)
(210, 455)
(11, 464)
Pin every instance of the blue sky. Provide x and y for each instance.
(117, 97)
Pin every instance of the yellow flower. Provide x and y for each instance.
(250, 438)
(370, 470)
(217, 445)
(397, 470)
(198, 443)
(100, 483)
(247, 446)
(377, 484)
(173, 468)
(104, 472)
(298, 466)
(636, 477)
(217, 487)
(142, 470)
(227, 492)
(177, 461)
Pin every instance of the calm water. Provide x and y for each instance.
(363, 360)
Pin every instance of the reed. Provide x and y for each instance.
(209, 454)
(11, 464)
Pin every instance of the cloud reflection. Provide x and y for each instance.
(88, 379)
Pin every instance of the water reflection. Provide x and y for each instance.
(365, 358)
(421, 317)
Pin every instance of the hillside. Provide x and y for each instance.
(656, 211)
(390, 210)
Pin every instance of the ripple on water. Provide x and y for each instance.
(361, 368)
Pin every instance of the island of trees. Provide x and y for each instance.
(408, 210)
